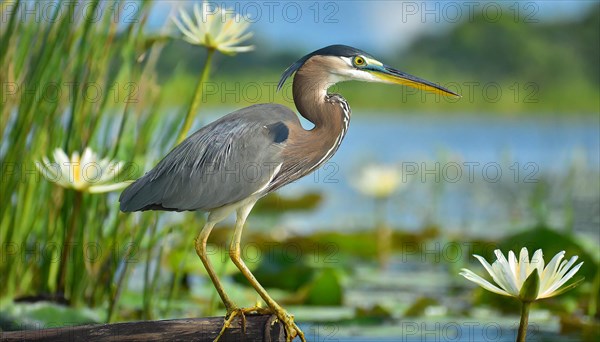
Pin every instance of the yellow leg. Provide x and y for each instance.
(200, 244)
(286, 319)
(232, 309)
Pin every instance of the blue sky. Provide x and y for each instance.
(380, 26)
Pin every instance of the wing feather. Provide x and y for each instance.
(222, 163)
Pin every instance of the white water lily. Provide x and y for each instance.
(378, 181)
(86, 173)
(510, 274)
(215, 27)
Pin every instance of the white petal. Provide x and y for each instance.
(506, 273)
(514, 268)
(194, 29)
(228, 30)
(104, 163)
(180, 26)
(234, 41)
(490, 270)
(537, 261)
(504, 278)
(549, 271)
(470, 275)
(111, 172)
(523, 264)
(211, 22)
(524, 255)
(57, 173)
(108, 187)
(60, 156)
(200, 22)
(75, 157)
(186, 32)
(108, 174)
(88, 165)
(550, 291)
(88, 156)
(63, 161)
(563, 269)
(236, 49)
(554, 277)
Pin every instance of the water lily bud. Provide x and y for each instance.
(531, 287)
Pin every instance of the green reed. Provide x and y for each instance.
(71, 82)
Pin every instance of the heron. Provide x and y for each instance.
(229, 164)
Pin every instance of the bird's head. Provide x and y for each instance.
(338, 63)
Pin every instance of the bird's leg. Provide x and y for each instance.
(200, 244)
(241, 312)
(291, 329)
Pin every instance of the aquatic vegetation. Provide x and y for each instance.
(87, 173)
(525, 279)
(216, 31)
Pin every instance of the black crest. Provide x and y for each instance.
(331, 50)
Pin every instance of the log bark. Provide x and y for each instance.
(258, 328)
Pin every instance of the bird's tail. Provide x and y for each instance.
(140, 197)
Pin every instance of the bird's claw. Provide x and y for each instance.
(242, 312)
(291, 329)
(287, 320)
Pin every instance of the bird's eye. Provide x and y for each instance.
(359, 61)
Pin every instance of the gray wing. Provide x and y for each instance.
(222, 163)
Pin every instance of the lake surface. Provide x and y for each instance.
(482, 164)
(471, 174)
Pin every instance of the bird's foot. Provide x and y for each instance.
(291, 329)
(232, 313)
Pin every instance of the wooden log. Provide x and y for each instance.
(258, 328)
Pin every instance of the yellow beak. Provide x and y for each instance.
(391, 75)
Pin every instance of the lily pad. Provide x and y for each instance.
(275, 204)
(325, 289)
(373, 315)
(418, 308)
(44, 315)
(277, 269)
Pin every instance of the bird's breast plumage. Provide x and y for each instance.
(307, 150)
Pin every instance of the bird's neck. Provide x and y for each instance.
(330, 113)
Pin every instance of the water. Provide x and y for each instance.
(396, 289)
(482, 164)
